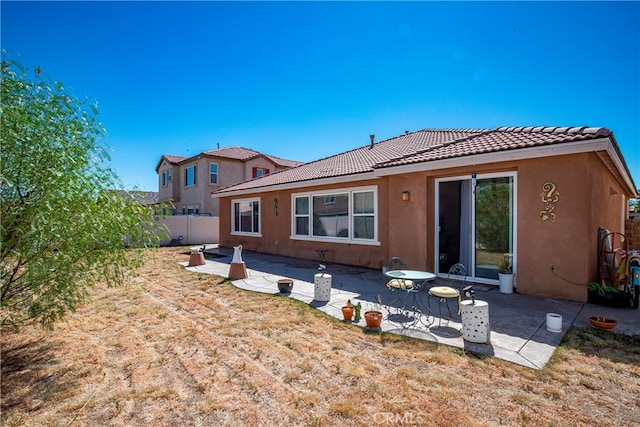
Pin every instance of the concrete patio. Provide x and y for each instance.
(517, 322)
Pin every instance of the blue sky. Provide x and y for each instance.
(305, 80)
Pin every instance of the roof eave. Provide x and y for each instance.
(297, 184)
(598, 144)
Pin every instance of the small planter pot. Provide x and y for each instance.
(602, 322)
(554, 322)
(373, 319)
(285, 286)
(347, 313)
(506, 283)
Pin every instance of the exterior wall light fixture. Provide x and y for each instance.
(405, 196)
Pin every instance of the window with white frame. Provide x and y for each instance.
(342, 215)
(213, 173)
(246, 216)
(301, 216)
(190, 175)
(166, 177)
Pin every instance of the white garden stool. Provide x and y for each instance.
(475, 321)
(322, 287)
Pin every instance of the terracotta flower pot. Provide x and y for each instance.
(603, 322)
(373, 318)
(347, 313)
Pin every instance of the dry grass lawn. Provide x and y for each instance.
(185, 349)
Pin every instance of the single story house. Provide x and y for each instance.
(437, 197)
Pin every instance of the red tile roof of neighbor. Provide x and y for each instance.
(424, 146)
(236, 153)
(244, 154)
(173, 159)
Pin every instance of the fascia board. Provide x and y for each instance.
(600, 144)
(299, 184)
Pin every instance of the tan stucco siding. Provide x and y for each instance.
(569, 243)
(276, 230)
(172, 190)
(588, 197)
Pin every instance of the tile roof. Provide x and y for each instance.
(500, 139)
(237, 153)
(424, 146)
(143, 197)
(174, 159)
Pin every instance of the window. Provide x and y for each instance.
(246, 216)
(166, 178)
(213, 173)
(258, 172)
(301, 214)
(190, 209)
(190, 176)
(348, 215)
(331, 219)
(364, 218)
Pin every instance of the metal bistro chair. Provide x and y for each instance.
(396, 263)
(457, 274)
(404, 290)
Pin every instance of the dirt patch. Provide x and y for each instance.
(181, 348)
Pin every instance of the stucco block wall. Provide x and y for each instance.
(194, 230)
(632, 231)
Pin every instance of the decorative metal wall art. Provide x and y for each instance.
(276, 208)
(549, 196)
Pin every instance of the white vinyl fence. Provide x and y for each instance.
(192, 230)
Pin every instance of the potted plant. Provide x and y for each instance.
(602, 294)
(505, 273)
(347, 311)
(373, 317)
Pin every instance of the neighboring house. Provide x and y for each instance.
(145, 198)
(437, 197)
(189, 181)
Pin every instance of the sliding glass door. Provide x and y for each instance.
(476, 224)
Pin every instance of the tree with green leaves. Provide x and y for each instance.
(64, 228)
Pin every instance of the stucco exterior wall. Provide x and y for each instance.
(276, 230)
(588, 197)
(230, 172)
(172, 190)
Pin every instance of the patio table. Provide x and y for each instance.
(411, 309)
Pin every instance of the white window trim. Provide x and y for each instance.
(233, 217)
(329, 192)
(195, 177)
(436, 241)
(217, 173)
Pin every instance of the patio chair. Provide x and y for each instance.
(445, 293)
(457, 276)
(396, 263)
